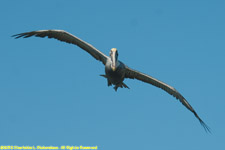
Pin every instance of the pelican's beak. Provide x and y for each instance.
(113, 68)
(113, 58)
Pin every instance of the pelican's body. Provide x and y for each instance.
(115, 70)
(116, 76)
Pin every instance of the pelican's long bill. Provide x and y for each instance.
(113, 55)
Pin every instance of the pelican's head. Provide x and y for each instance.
(114, 58)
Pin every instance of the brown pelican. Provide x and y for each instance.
(115, 70)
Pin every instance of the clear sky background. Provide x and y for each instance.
(51, 92)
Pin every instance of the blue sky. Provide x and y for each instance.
(51, 92)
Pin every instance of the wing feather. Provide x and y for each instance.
(68, 38)
(133, 74)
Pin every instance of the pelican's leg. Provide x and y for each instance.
(124, 85)
(121, 85)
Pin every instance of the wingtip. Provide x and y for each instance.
(16, 36)
(205, 126)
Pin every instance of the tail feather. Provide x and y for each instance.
(116, 86)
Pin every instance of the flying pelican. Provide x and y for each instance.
(115, 70)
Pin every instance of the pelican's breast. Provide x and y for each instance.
(116, 76)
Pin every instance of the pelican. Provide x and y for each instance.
(115, 70)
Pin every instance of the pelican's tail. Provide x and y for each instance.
(122, 85)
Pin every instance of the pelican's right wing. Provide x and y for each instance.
(68, 38)
(133, 74)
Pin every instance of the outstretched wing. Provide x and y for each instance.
(133, 74)
(68, 38)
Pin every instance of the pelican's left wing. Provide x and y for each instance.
(68, 38)
(133, 74)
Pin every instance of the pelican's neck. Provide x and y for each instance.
(114, 62)
(114, 58)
